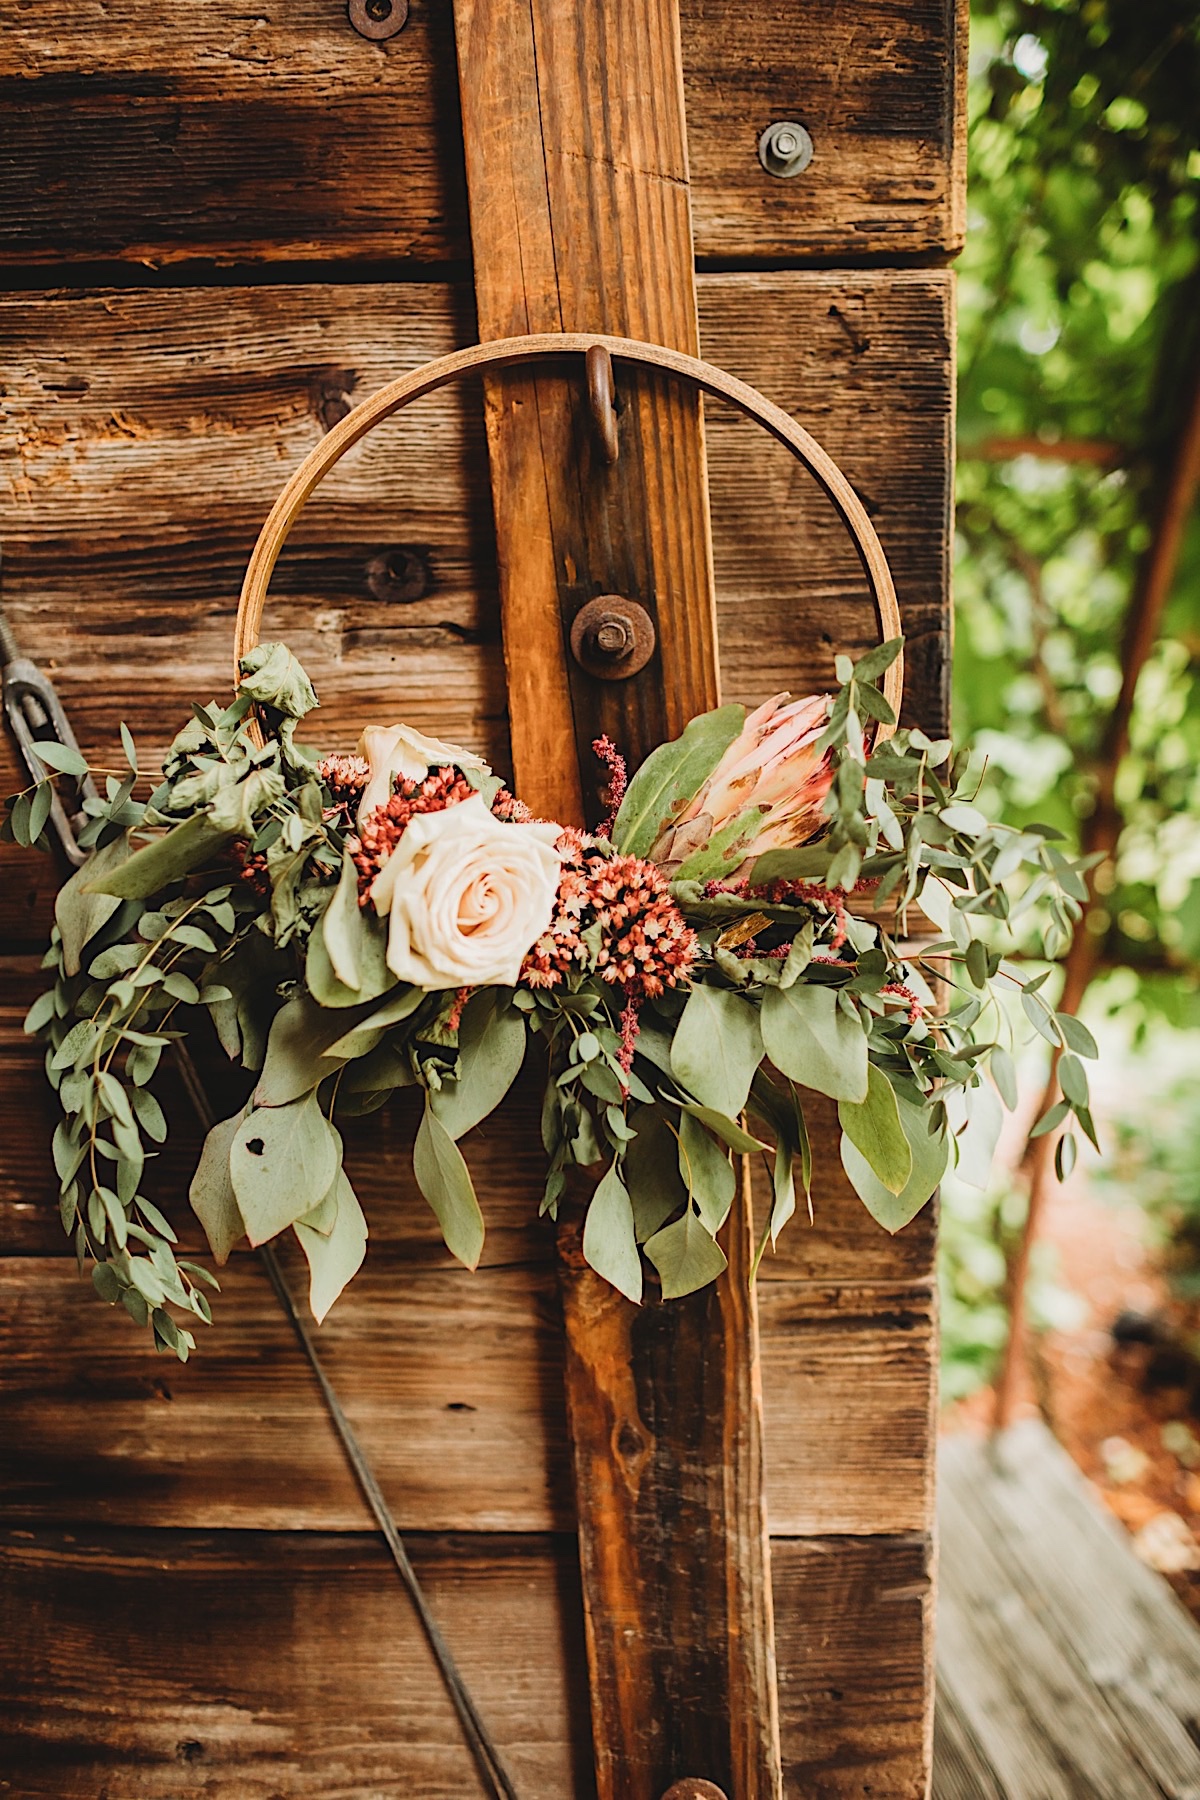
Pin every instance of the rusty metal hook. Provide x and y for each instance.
(603, 400)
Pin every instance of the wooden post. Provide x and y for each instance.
(576, 157)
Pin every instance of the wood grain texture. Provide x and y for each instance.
(576, 160)
(472, 1366)
(1067, 1666)
(297, 1670)
(254, 1666)
(145, 435)
(577, 178)
(213, 132)
(664, 1406)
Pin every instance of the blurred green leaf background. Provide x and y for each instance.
(1079, 355)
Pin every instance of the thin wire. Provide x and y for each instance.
(483, 1749)
(487, 1756)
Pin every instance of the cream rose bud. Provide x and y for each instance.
(393, 750)
(467, 896)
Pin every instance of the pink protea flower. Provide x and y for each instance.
(773, 764)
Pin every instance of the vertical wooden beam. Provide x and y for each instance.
(581, 221)
(576, 156)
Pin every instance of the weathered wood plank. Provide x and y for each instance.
(259, 1705)
(296, 1668)
(1115, 1624)
(119, 539)
(667, 1445)
(252, 1666)
(854, 1627)
(577, 176)
(214, 133)
(454, 1383)
(580, 220)
(1037, 1717)
(146, 434)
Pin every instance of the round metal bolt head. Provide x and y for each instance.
(785, 149)
(378, 20)
(612, 637)
(692, 1788)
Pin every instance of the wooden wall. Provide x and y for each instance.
(218, 228)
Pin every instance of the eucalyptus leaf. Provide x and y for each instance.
(1077, 1035)
(183, 849)
(650, 1169)
(930, 1155)
(671, 776)
(363, 1037)
(333, 1258)
(725, 1128)
(976, 1117)
(491, 1049)
(710, 1176)
(1005, 1076)
(873, 1127)
(685, 1255)
(64, 759)
(211, 1193)
(297, 1056)
(341, 927)
(808, 863)
(444, 1179)
(271, 675)
(374, 976)
(282, 1161)
(810, 1039)
(609, 1241)
(717, 1047)
(79, 910)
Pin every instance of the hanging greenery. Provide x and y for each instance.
(731, 941)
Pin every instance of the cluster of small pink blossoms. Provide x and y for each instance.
(645, 945)
(382, 830)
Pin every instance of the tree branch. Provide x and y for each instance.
(1101, 831)
(1095, 451)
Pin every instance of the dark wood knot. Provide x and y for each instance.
(612, 638)
(401, 573)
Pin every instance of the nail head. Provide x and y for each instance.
(378, 20)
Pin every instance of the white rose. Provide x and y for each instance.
(467, 895)
(393, 750)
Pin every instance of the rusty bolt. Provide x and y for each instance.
(785, 149)
(692, 1788)
(378, 20)
(612, 637)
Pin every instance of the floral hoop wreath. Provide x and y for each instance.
(395, 918)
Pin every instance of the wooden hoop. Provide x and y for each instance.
(507, 353)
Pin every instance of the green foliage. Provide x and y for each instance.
(159, 926)
(1156, 1162)
(1079, 333)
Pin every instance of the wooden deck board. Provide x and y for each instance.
(1066, 1669)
